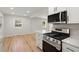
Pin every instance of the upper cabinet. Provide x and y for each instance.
(72, 13)
(50, 10)
(53, 10)
(60, 9)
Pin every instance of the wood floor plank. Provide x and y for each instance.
(21, 43)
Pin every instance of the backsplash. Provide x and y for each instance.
(74, 29)
(74, 33)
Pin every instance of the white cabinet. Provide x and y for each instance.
(39, 38)
(70, 45)
(69, 48)
(53, 10)
(50, 10)
(73, 14)
(60, 9)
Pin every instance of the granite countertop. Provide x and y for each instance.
(72, 41)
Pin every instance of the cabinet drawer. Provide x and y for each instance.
(69, 48)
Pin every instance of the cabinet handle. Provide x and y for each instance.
(70, 49)
(67, 18)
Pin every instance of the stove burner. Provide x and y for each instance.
(57, 35)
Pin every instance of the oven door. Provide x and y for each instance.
(48, 47)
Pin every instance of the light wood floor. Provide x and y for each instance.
(21, 43)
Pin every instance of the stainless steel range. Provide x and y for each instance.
(52, 42)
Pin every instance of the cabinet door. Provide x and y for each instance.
(53, 10)
(50, 10)
(69, 48)
(36, 39)
(73, 14)
(60, 9)
(39, 40)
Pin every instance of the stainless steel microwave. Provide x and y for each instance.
(60, 17)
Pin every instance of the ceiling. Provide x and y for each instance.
(25, 11)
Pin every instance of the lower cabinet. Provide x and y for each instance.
(48, 48)
(69, 48)
(39, 38)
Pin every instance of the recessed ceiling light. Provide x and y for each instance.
(11, 8)
(27, 11)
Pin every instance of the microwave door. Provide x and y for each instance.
(64, 16)
(54, 17)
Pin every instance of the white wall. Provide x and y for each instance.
(36, 24)
(30, 25)
(9, 28)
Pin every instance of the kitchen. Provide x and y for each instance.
(63, 21)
